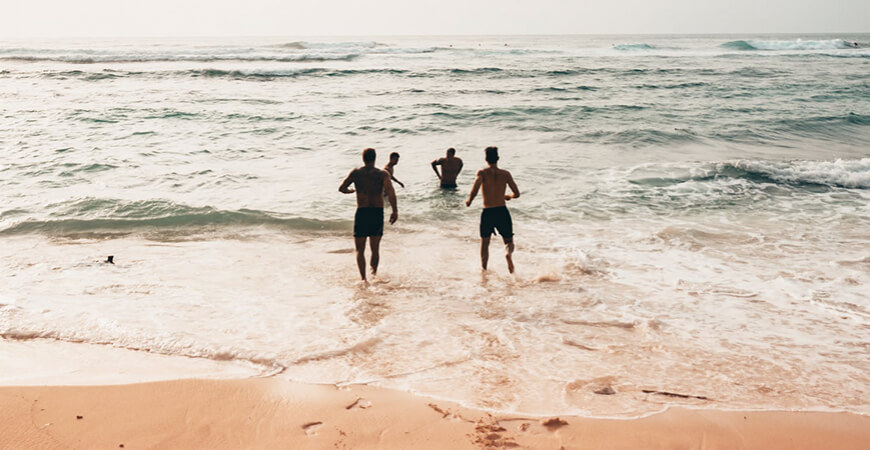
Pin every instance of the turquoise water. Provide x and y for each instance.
(687, 200)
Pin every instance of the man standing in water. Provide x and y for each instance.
(495, 215)
(450, 168)
(394, 160)
(370, 185)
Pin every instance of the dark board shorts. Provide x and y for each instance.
(368, 221)
(448, 185)
(498, 218)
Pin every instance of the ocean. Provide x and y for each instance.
(694, 225)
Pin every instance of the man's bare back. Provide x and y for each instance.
(450, 168)
(494, 183)
(369, 185)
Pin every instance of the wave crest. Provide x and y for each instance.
(157, 219)
(848, 174)
(797, 44)
(633, 47)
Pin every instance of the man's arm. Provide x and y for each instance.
(393, 177)
(344, 188)
(474, 189)
(391, 196)
(513, 186)
(460, 167)
(436, 163)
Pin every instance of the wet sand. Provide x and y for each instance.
(275, 413)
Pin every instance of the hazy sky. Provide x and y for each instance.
(44, 18)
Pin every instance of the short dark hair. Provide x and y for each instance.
(491, 154)
(451, 151)
(369, 155)
(394, 155)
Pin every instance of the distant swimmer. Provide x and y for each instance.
(495, 215)
(450, 168)
(394, 160)
(370, 185)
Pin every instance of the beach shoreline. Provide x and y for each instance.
(271, 412)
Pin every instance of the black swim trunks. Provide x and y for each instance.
(498, 218)
(368, 221)
(448, 185)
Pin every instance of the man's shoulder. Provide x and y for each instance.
(369, 171)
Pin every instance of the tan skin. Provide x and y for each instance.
(450, 168)
(370, 184)
(389, 168)
(494, 182)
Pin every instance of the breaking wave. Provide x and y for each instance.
(632, 47)
(849, 174)
(797, 44)
(109, 216)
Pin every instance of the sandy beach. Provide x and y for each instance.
(275, 413)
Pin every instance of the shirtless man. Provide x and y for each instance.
(495, 215)
(371, 183)
(450, 168)
(394, 160)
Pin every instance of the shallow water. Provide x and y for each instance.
(694, 217)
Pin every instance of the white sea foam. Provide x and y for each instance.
(800, 44)
(848, 174)
(584, 306)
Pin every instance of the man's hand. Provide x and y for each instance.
(349, 191)
(508, 198)
(401, 184)
(468, 202)
(394, 217)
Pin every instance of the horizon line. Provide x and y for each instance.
(395, 35)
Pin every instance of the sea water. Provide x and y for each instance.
(694, 218)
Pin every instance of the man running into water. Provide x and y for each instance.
(450, 168)
(394, 160)
(370, 185)
(495, 215)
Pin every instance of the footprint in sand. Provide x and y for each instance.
(310, 428)
(554, 423)
(359, 403)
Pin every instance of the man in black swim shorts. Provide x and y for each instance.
(370, 185)
(450, 168)
(495, 215)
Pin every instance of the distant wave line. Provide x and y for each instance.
(178, 58)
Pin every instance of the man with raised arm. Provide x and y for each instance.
(450, 168)
(495, 215)
(370, 185)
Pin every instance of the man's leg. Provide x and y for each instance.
(508, 253)
(360, 243)
(484, 251)
(375, 242)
